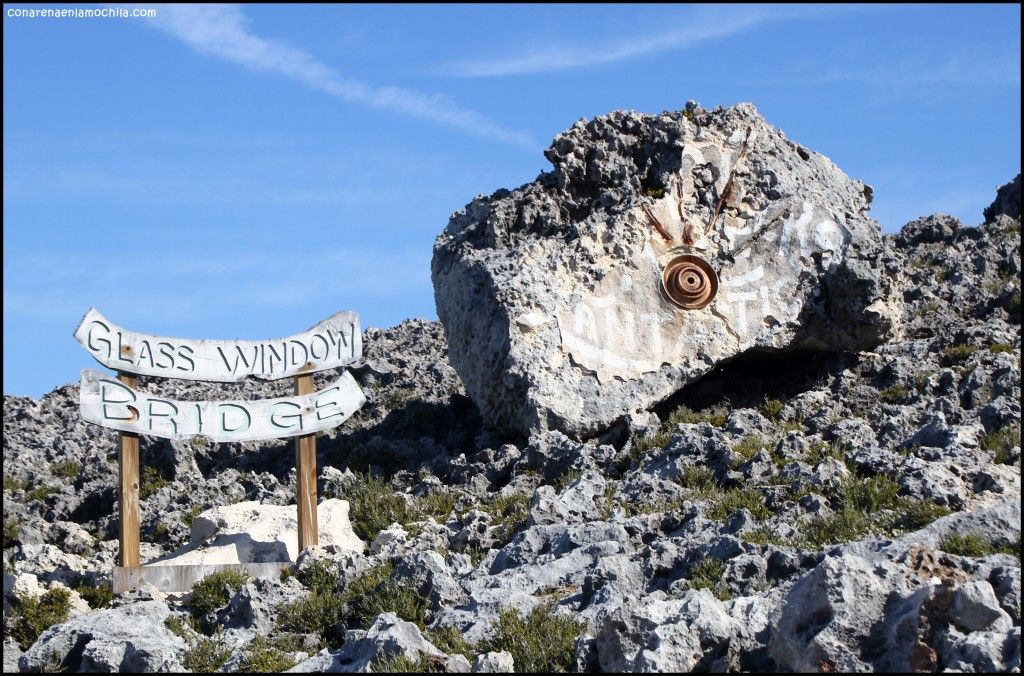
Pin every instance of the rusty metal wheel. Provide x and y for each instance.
(689, 282)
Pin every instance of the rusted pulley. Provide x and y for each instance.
(689, 282)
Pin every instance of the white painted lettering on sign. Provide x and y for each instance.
(108, 402)
(333, 343)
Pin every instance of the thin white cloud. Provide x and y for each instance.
(975, 67)
(223, 31)
(703, 24)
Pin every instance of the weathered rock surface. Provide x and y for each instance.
(551, 294)
(248, 532)
(131, 638)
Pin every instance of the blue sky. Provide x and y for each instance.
(245, 171)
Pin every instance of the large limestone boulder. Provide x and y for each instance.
(657, 248)
(250, 532)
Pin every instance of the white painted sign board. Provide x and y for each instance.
(332, 343)
(106, 401)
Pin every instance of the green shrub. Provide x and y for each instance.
(686, 415)
(97, 596)
(1001, 442)
(262, 658)
(451, 641)
(656, 193)
(206, 655)
(213, 591)
(735, 499)
(747, 447)
(894, 394)
(436, 504)
(821, 451)
(150, 482)
(958, 353)
(870, 495)
(540, 642)
(567, 479)
(11, 527)
(1000, 347)
(32, 615)
(921, 380)
(975, 546)
(698, 478)
(374, 592)
(508, 513)
(845, 525)
(13, 484)
(41, 492)
(65, 470)
(763, 535)
(314, 614)
(772, 408)
(657, 440)
(708, 575)
(400, 664)
(321, 577)
(914, 514)
(374, 506)
(189, 517)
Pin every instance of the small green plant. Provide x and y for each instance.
(685, 415)
(1000, 347)
(871, 494)
(65, 470)
(32, 615)
(262, 658)
(41, 492)
(160, 533)
(97, 596)
(567, 479)
(437, 504)
(821, 451)
(845, 525)
(374, 592)
(708, 575)
(699, 479)
(747, 448)
(974, 546)
(189, 517)
(912, 514)
(451, 641)
(1000, 443)
(321, 577)
(213, 592)
(540, 642)
(508, 513)
(656, 193)
(921, 380)
(13, 484)
(150, 482)
(314, 614)
(374, 506)
(400, 664)
(958, 353)
(205, 655)
(894, 394)
(772, 408)
(657, 440)
(10, 532)
(735, 499)
(763, 535)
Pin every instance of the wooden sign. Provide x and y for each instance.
(333, 343)
(106, 401)
(117, 403)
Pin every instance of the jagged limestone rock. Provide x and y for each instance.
(551, 295)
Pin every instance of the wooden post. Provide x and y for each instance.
(128, 495)
(305, 464)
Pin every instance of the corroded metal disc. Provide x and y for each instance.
(689, 282)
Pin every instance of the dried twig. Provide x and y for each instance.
(727, 190)
(657, 224)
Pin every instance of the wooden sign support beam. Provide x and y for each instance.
(128, 462)
(305, 465)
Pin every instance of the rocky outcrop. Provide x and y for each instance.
(575, 300)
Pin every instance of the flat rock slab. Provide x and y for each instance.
(250, 532)
(552, 294)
